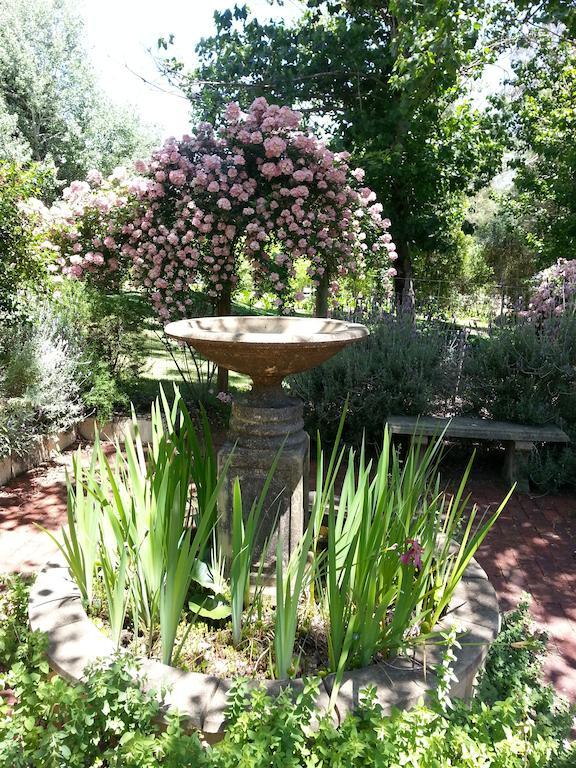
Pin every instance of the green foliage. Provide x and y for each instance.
(49, 98)
(40, 378)
(103, 396)
(514, 664)
(108, 722)
(22, 262)
(133, 521)
(391, 565)
(387, 82)
(526, 373)
(401, 368)
(501, 225)
(109, 328)
(540, 118)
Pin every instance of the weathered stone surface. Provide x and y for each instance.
(73, 647)
(117, 429)
(49, 614)
(74, 642)
(474, 429)
(266, 348)
(5, 470)
(43, 448)
(259, 435)
(474, 602)
(189, 693)
(52, 584)
(396, 686)
(66, 439)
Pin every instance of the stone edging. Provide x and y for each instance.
(46, 446)
(74, 642)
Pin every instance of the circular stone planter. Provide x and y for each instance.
(75, 642)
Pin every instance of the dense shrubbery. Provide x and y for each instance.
(513, 721)
(40, 379)
(63, 357)
(22, 258)
(527, 373)
(401, 368)
(520, 371)
(108, 328)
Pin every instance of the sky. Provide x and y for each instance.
(121, 34)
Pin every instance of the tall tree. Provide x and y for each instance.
(49, 99)
(387, 80)
(539, 109)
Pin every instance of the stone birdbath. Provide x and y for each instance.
(267, 349)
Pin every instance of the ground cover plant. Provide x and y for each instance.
(149, 559)
(513, 720)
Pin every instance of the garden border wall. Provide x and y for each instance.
(74, 642)
(47, 446)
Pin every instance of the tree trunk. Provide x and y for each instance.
(403, 284)
(223, 308)
(322, 296)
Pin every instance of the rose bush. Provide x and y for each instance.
(257, 188)
(555, 292)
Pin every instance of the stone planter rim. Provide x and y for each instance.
(74, 642)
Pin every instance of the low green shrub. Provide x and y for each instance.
(23, 259)
(401, 368)
(109, 329)
(108, 722)
(40, 379)
(526, 373)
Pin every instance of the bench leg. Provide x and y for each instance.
(516, 464)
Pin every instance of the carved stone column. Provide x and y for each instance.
(259, 427)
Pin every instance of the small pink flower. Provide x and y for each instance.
(413, 555)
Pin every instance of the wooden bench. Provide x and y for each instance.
(518, 439)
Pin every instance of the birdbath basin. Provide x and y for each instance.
(266, 348)
(268, 421)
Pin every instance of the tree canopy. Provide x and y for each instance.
(389, 82)
(539, 108)
(51, 108)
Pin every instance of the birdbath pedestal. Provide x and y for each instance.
(267, 349)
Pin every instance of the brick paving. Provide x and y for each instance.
(531, 548)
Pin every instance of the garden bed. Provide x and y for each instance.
(75, 642)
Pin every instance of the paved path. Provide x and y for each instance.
(532, 548)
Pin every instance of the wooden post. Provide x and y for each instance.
(322, 296)
(223, 308)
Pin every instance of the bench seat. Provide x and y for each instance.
(518, 439)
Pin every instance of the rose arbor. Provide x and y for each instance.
(257, 188)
